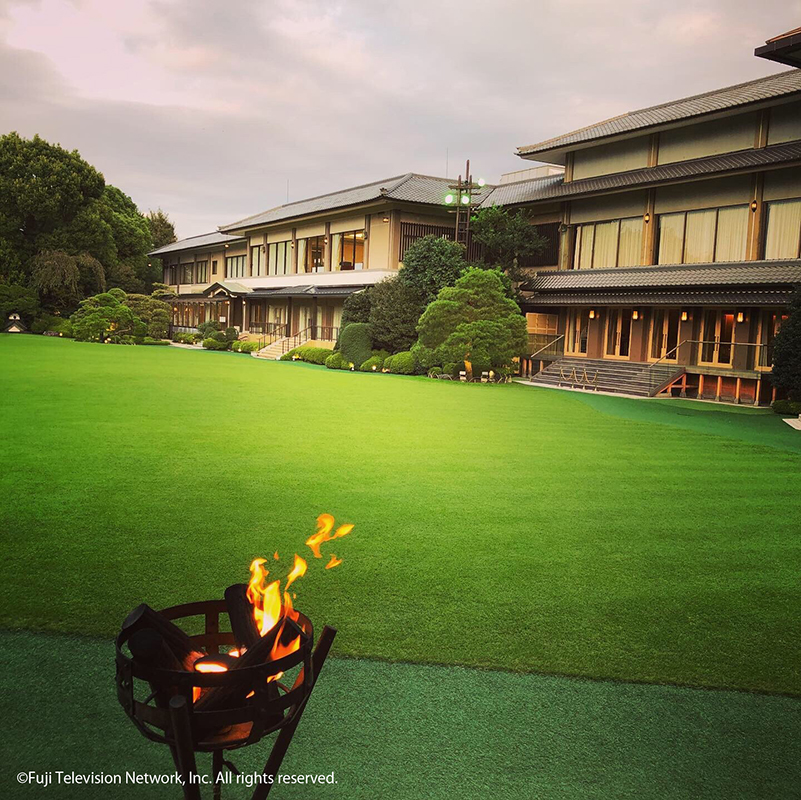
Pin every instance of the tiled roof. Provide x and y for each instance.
(554, 187)
(195, 242)
(409, 187)
(708, 298)
(742, 94)
(727, 274)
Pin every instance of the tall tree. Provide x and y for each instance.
(162, 231)
(430, 264)
(786, 373)
(395, 309)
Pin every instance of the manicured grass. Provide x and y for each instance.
(408, 731)
(505, 527)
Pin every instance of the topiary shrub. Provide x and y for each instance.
(790, 408)
(248, 347)
(205, 329)
(218, 336)
(373, 364)
(354, 343)
(151, 340)
(335, 361)
(404, 363)
(231, 334)
(236, 345)
(387, 366)
(215, 344)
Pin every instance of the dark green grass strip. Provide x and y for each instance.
(496, 526)
(406, 731)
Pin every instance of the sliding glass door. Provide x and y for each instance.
(717, 335)
(664, 334)
(618, 333)
(578, 324)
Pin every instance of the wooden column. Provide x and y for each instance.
(366, 254)
(648, 255)
(718, 388)
(756, 219)
(294, 248)
(700, 387)
(327, 253)
(737, 390)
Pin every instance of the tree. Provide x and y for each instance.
(475, 322)
(787, 352)
(16, 299)
(394, 313)
(52, 201)
(430, 264)
(508, 237)
(106, 317)
(356, 307)
(162, 231)
(153, 312)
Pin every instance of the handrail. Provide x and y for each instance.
(546, 346)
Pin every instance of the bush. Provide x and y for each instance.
(197, 337)
(373, 361)
(216, 344)
(404, 363)
(248, 347)
(452, 369)
(50, 322)
(231, 334)
(218, 336)
(183, 338)
(388, 363)
(335, 361)
(790, 408)
(356, 308)
(151, 340)
(311, 355)
(236, 345)
(395, 310)
(425, 356)
(205, 329)
(434, 371)
(354, 343)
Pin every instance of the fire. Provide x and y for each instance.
(334, 562)
(266, 601)
(325, 524)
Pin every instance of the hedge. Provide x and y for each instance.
(215, 344)
(335, 360)
(373, 364)
(388, 363)
(787, 407)
(404, 363)
(151, 340)
(311, 355)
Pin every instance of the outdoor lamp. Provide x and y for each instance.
(375, 367)
(647, 217)
(684, 316)
(740, 316)
(448, 199)
(635, 314)
(592, 313)
(754, 205)
(465, 199)
(386, 219)
(481, 181)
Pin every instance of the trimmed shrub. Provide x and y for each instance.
(434, 371)
(248, 347)
(404, 363)
(231, 334)
(183, 338)
(236, 346)
(452, 369)
(388, 363)
(218, 336)
(382, 354)
(50, 322)
(425, 356)
(311, 355)
(215, 344)
(205, 329)
(354, 343)
(335, 360)
(197, 337)
(373, 362)
(151, 340)
(790, 408)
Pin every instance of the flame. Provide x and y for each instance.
(266, 601)
(334, 562)
(206, 666)
(325, 524)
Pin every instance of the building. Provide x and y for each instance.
(286, 272)
(673, 245)
(679, 236)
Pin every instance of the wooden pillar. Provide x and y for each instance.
(314, 318)
(683, 392)
(700, 387)
(648, 254)
(756, 390)
(366, 244)
(718, 388)
(294, 248)
(756, 219)
(327, 253)
(737, 390)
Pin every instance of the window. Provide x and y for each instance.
(347, 251)
(256, 260)
(783, 239)
(202, 270)
(695, 237)
(186, 273)
(311, 254)
(235, 266)
(213, 267)
(608, 244)
(279, 258)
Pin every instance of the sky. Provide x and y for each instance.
(215, 110)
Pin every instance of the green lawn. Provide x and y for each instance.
(503, 527)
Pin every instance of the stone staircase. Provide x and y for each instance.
(272, 351)
(624, 377)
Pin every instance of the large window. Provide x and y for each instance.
(256, 262)
(347, 251)
(202, 269)
(311, 254)
(235, 266)
(609, 244)
(186, 273)
(695, 237)
(213, 267)
(783, 239)
(279, 258)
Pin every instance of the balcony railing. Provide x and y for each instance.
(545, 345)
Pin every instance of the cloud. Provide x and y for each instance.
(207, 109)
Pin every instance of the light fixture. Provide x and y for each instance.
(754, 205)
(684, 316)
(740, 316)
(647, 217)
(592, 313)
(465, 199)
(481, 181)
(635, 314)
(386, 219)
(375, 367)
(448, 199)
(226, 246)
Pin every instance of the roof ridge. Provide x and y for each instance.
(666, 104)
